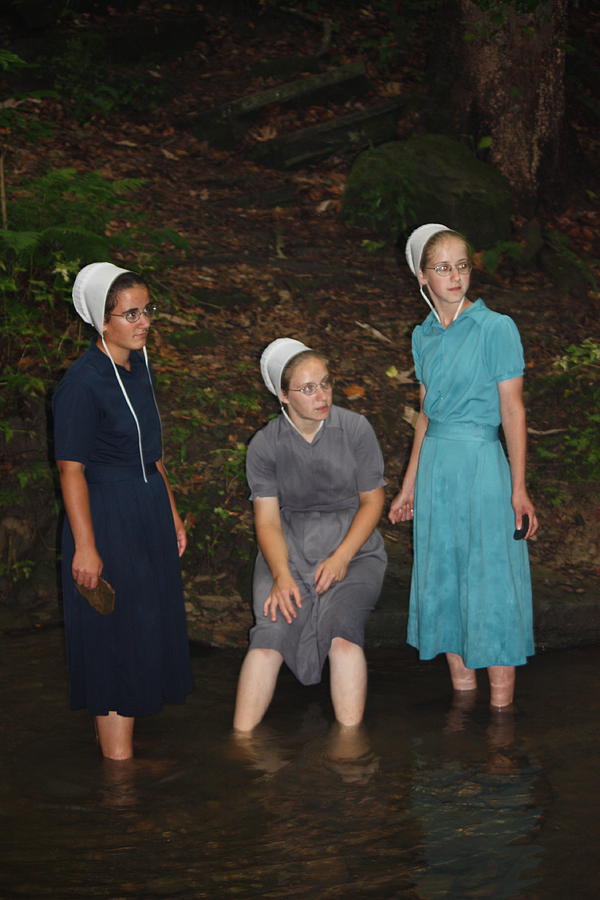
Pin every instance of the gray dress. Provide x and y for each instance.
(317, 485)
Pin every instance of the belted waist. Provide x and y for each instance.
(97, 474)
(458, 431)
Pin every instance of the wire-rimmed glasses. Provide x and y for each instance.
(134, 315)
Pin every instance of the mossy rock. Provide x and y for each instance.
(397, 186)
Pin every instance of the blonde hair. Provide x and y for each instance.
(438, 238)
(286, 375)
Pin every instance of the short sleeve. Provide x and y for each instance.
(416, 352)
(76, 420)
(368, 456)
(503, 351)
(261, 470)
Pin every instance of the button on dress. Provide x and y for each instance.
(471, 586)
(136, 658)
(317, 485)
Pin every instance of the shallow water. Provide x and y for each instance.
(431, 799)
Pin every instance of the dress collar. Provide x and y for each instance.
(295, 427)
(432, 324)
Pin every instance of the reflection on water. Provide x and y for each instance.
(435, 796)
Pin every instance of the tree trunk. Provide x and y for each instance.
(509, 89)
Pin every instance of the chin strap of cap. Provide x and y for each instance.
(129, 404)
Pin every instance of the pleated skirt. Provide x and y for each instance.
(136, 658)
(471, 585)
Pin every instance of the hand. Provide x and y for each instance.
(181, 534)
(86, 567)
(522, 505)
(403, 506)
(284, 593)
(330, 571)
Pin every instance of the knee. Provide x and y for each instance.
(264, 657)
(266, 652)
(341, 648)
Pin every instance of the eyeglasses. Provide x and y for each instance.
(444, 269)
(134, 315)
(311, 387)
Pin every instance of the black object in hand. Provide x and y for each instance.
(522, 531)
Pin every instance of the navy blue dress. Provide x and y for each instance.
(137, 658)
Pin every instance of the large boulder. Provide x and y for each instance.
(397, 186)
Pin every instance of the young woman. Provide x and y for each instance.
(471, 590)
(121, 520)
(316, 476)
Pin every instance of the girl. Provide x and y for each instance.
(121, 518)
(316, 476)
(471, 591)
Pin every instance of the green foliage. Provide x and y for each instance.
(373, 246)
(402, 20)
(59, 222)
(91, 87)
(497, 14)
(560, 245)
(575, 450)
(16, 571)
(10, 61)
(378, 196)
(578, 355)
(64, 215)
(17, 122)
(501, 250)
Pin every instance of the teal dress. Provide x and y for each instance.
(471, 586)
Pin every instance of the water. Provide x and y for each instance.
(430, 800)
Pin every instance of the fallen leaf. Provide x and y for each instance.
(354, 392)
(410, 415)
(323, 206)
(168, 153)
(373, 332)
(267, 133)
(392, 89)
(178, 320)
(402, 377)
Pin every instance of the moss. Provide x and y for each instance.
(430, 178)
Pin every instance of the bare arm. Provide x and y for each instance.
(179, 526)
(271, 541)
(401, 509)
(86, 565)
(514, 424)
(334, 568)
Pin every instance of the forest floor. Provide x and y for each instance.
(269, 256)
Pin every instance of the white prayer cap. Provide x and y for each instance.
(275, 358)
(416, 243)
(90, 289)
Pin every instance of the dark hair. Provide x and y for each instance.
(286, 375)
(438, 238)
(121, 283)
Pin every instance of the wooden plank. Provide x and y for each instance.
(225, 125)
(344, 135)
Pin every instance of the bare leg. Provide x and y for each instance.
(463, 679)
(115, 735)
(256, 685)
(502, 685)
(348, 668)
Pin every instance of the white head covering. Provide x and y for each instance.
(414, 253)
(90, 289)
(275, 358)
(416, 243)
